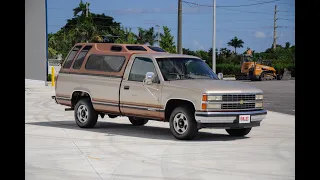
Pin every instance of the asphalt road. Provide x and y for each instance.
(279, 96)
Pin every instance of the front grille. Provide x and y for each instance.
(238, 97)
(238, 106)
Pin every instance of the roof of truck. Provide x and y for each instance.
(168, 55)
(118, 47)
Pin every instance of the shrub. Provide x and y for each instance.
(49, 77)
(230, 69)
(233, 69)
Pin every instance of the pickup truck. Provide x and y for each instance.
(144, 83)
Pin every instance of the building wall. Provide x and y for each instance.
(35, 40)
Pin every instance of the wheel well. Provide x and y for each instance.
(267, 71)
(77, 95)
(173, 103)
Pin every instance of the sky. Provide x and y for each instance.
(249, 20)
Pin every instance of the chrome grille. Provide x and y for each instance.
(239, 97)
(238, 106)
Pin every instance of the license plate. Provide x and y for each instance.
(244, 119)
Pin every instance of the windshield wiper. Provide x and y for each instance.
(181, 76)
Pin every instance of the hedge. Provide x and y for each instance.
(232, 69)
(49, 77)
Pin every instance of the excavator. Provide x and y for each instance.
(261, 70)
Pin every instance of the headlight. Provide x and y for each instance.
(211, 98)
(259, 105)
(259, 96)
(214, 98)
(211, 106)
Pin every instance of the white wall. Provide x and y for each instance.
(36, 40)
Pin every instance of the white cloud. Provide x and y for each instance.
(197, 45)
(259, 34)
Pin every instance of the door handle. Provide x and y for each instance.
(126, 87)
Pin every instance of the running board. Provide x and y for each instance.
(69, 109)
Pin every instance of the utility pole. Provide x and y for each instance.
(87, 10)
(87, 14)
(214, 38)
(158, 35)
(179, 46)
(274, 28)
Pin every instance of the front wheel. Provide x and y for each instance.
(183, 125)
(238, 132)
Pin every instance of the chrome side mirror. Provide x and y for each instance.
(149, 78)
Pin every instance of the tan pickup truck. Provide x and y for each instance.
(145, 83)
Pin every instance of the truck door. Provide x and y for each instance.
(136, 98)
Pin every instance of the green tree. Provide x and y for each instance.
(125, 36)
(236, 43)
(166, 40)
(224, 52)
(287, 46)
(80, 9)
(146, 36)
(52, 53)
(188, 52)
(81, 29)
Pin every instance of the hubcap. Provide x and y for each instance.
(82, 113)
(180, 123)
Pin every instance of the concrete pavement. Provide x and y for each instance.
(56, 148)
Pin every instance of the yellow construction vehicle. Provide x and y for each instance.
(257, 71)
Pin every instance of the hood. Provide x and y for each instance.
(214, 86)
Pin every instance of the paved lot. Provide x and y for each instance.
(279, 96)
(57, 149)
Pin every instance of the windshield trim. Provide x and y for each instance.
(211, 74)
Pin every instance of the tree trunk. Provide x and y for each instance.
(235, 50)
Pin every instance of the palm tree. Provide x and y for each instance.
(80, 9)
(236, 43)
(85, 30)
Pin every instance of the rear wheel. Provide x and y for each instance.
(262, 76)
(182, 122)
(84, 114)
(137, 121)
(238, 132)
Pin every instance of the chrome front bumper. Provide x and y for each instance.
(228, 117)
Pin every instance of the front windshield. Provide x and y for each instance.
(184, 68)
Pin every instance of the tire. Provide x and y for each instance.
(183, 116)
(84, 114)
(279, 76)
(238, 132)
(137, 121)
(261, 77)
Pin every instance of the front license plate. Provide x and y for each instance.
(244, 119)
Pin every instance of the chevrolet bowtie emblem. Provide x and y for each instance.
(241, 101)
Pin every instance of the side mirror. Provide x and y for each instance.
(149, 78)
(220, 76)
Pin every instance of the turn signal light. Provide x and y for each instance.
(204, 97)
(204, 106)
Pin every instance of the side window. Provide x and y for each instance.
(105, 63)
(78, 62)
(71, 56)
(139, 69)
